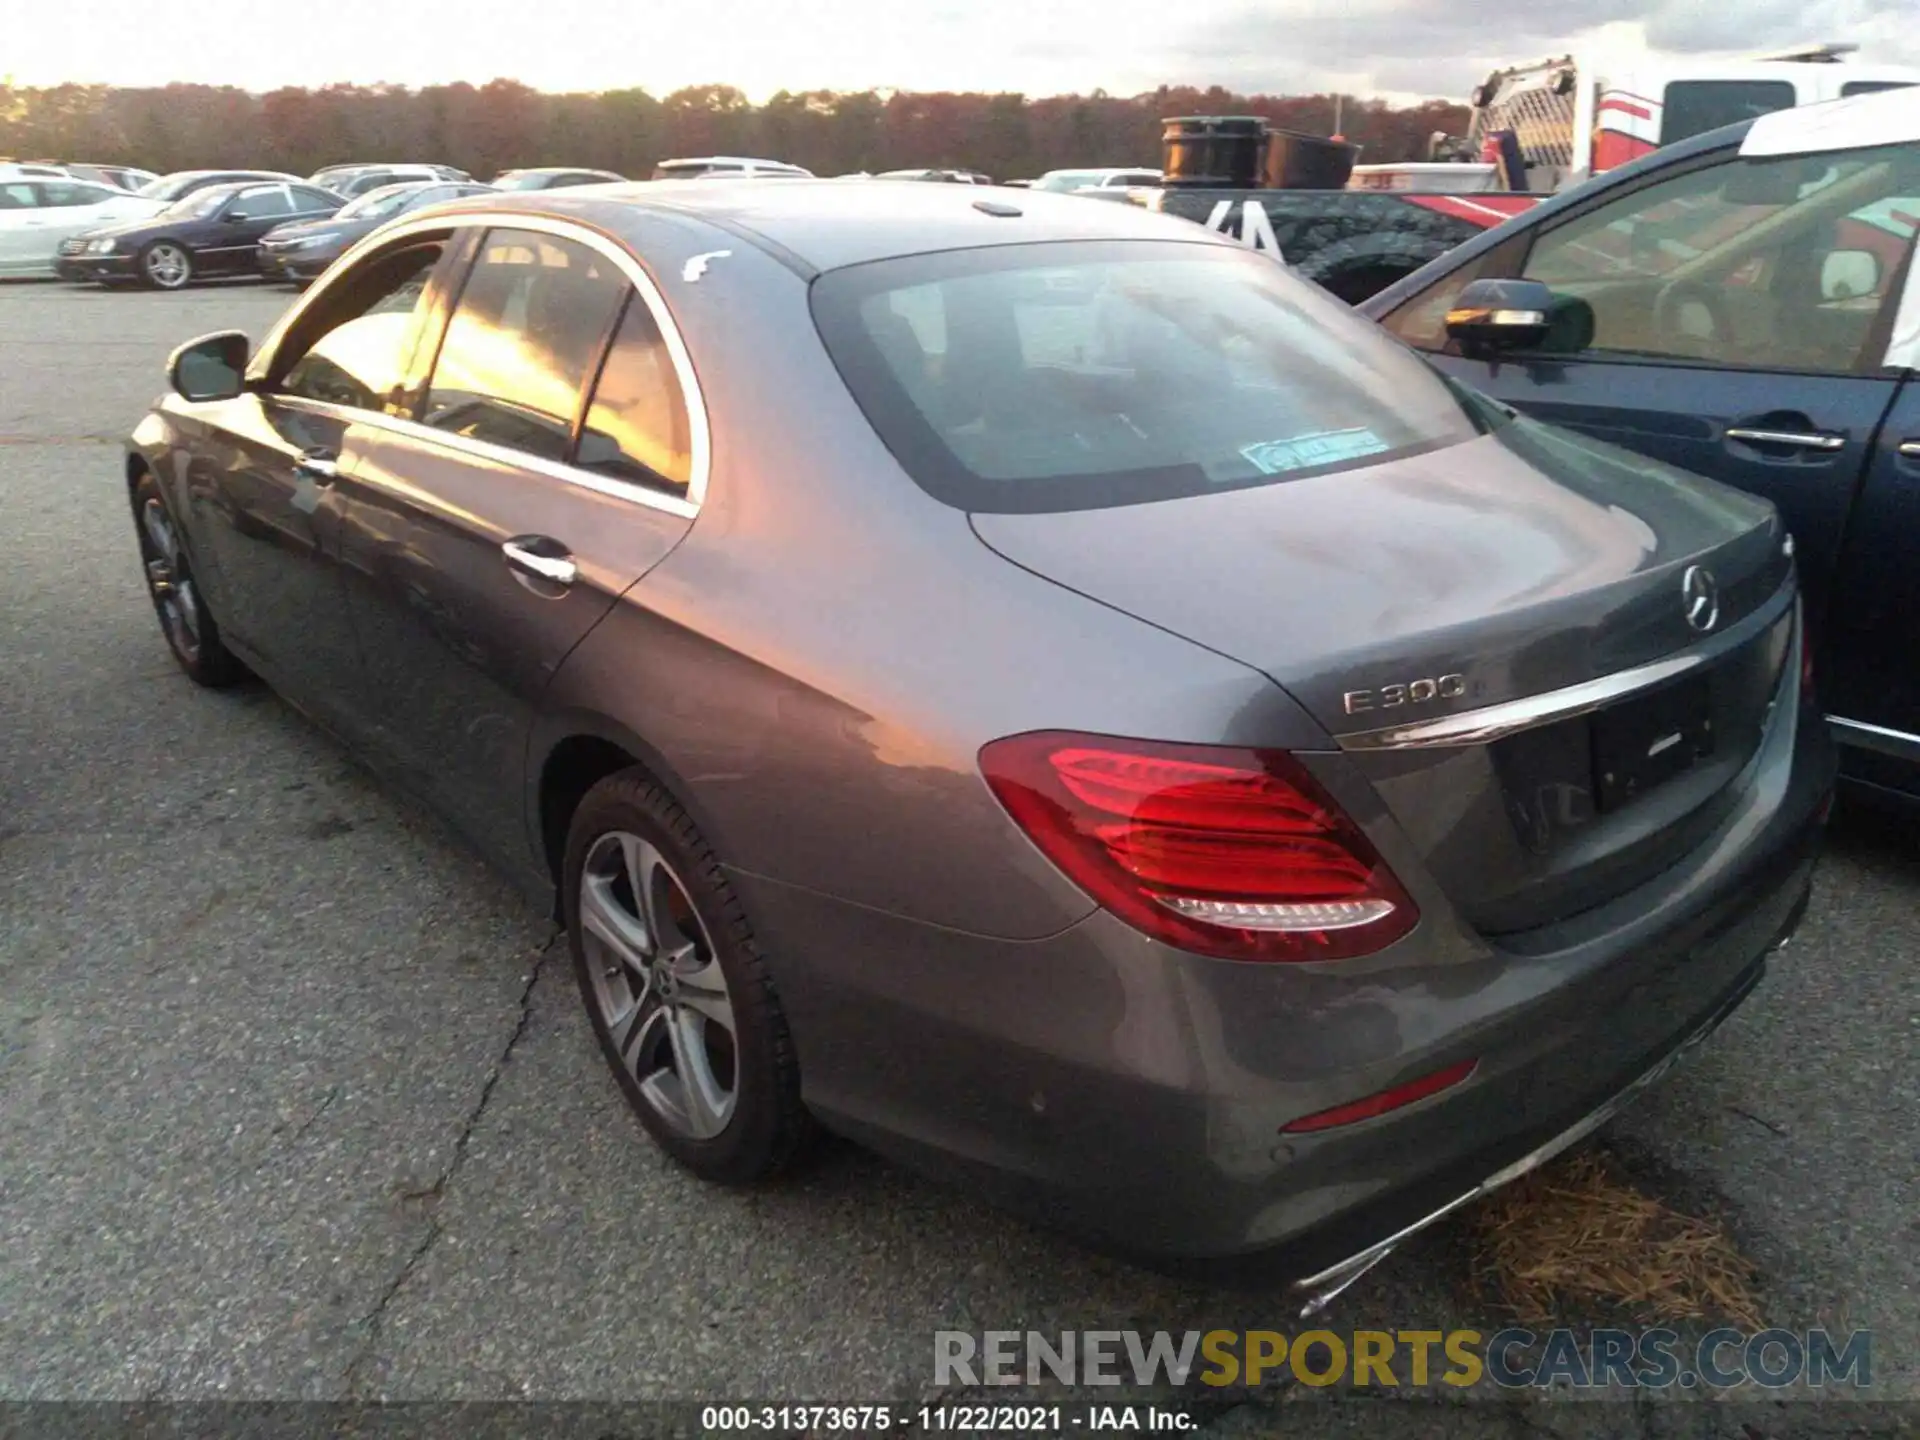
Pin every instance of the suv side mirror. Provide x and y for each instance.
(214, 367)
(1493, 315)
(234, 217)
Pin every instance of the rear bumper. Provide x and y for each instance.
(1111, 1086)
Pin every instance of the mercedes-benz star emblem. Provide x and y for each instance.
(1700, 594)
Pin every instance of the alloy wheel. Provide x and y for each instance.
(658, 985)
(169, 580)
(167, 266)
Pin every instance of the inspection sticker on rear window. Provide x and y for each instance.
(1317, 447)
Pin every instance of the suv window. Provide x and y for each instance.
(1694, 107)
(523, 341)
(364, 336)
(1063, 376)
(636, 428)
(1772, 264)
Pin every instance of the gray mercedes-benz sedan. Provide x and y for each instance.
(1025, 684)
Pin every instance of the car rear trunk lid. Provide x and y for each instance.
(1530, 577)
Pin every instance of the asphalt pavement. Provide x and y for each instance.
(297, 1101)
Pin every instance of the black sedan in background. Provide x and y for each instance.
(301, 249)
(215, 231)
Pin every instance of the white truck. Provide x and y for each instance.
(1568, 119)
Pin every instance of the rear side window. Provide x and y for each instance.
(636, 428)
(259, 204)
(1694, 107)
(1869, 87)
(1069, 376)
(522, 343)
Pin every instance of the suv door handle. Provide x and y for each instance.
(560, 568)
(1797, 439)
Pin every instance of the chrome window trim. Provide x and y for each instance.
(699, 433)
(1862, 736)
(1509, 717)
(486, 450)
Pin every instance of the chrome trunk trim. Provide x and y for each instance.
(1495, 722)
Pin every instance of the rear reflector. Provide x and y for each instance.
(1394, 1099)
(1227, 852)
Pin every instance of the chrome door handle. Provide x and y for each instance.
(317, 467)
(1798, 439)
(559, 569)
(1910, 449)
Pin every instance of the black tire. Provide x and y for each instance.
(768, 1126)
(171, 280)
(185, 622)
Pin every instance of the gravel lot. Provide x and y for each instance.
(297, 1101)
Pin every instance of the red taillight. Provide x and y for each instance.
(1234, 853)
(1381, 1103)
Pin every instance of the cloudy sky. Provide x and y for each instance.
(1400, 48)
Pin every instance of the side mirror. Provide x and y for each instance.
(234, 217)
(1494, 315)
(1849, 274)
(214, 367)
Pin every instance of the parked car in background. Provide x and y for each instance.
(123, 176)
(950, 177)
(351, 181)
(120, 177)
(1112, 178)
(213, 231)
(1744, 304)
(38, 213)
(301, 249)
(32, 169)
(332, 177)
(731, 167)
(1295, 905)
(553, 177)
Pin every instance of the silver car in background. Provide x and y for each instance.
(1026, 684)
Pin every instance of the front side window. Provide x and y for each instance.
(522, 342)
(362, 339)
(1777, 263)
(19, 195)
(1693, 107)
(636, 427)
(1068, 376)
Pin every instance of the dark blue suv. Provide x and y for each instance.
(1744, 304)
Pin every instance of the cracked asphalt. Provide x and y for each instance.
(297, 1101)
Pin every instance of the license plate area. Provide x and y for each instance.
(1644, 742)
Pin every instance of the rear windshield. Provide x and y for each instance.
(1076, 375)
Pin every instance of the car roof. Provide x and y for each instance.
(555, 170)
(818, 225)
(725, 160)
(1884, 117)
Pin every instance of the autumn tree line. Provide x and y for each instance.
(488, 128)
